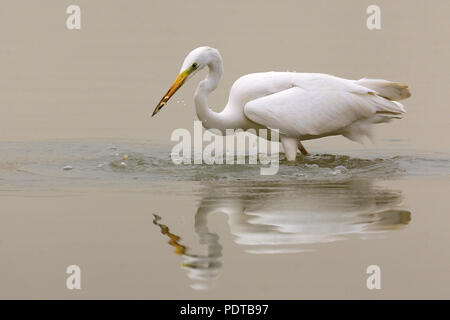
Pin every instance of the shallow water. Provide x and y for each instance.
(126, 207)
(86, 176)
(92, 163)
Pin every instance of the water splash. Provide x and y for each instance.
(28, 164)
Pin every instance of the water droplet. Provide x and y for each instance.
(341, 170)
(68, 168)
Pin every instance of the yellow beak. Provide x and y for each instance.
(175, 86)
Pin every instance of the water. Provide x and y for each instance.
(206, 217)
(94, 163)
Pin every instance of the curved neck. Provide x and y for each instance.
(209, 118)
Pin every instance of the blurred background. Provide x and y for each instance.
(104, 80)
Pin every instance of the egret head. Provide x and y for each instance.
(196, 60)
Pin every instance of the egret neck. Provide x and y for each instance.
(209, 118)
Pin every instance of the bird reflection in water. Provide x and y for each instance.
(280, 218)
(202, 268)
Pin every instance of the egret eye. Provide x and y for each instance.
(195, 65)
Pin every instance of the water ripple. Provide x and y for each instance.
(94, 162)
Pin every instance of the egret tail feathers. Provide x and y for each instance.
(387, 107)
(386, 89)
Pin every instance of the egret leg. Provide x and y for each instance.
(302, 148)
(290, 147)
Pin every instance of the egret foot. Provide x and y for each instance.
(302, 149)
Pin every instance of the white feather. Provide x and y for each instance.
(309, 106)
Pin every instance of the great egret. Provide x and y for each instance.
(300, 106)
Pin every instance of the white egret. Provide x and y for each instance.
(300, 106)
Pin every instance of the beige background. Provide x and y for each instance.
(104, 80)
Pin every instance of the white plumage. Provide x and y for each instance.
(301, 106)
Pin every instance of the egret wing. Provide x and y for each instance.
(299, 112)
